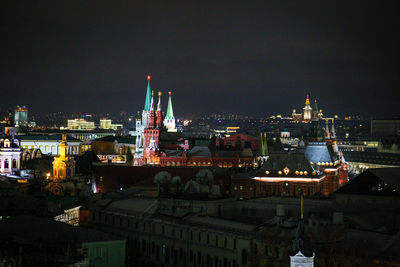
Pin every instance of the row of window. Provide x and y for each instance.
(177, 255)
(196, 236)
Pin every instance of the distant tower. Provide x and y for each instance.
(169, 120)
(63, 165)
(315, 112)
(327, 132)
(307, 110)
(301, 254)
(159, 115)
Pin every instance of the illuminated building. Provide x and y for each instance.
(21, 115)
(107, 124)
(63, 165)
(149, 127)
(318, 168)
(10, 151)
(80, 124)
(48, 144)
(308, 112)
(109, 148)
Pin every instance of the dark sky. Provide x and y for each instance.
(244, 57)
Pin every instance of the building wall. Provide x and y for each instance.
(162, 243)
(106, 253)
(51, 147)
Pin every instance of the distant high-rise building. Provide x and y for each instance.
(21, 115)
(309, 113)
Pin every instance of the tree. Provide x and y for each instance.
(162, 180)
(176, 180)
(204, 177)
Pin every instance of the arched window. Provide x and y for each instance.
(6, 164)
(14, 163)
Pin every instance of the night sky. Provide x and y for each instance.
(243, 57)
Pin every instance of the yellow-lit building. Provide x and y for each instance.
(63, 165)
(107, 124)
(80, 124)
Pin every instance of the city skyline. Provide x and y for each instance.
(257, 59)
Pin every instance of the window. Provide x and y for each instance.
(208, 239)
(266, 250)
(234, 243)
(191, 256)
(225, 242)
(191, 235)
(163, 229)
(199, 236)
(216, 240)
(198, 258)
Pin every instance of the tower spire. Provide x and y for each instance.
(170, 112)
(147, 102)
(261, 144)
(265, 144)
(327, 133)
(169, 121)
(159, 115)
(152, 101)
(301, 206)
(308, 100)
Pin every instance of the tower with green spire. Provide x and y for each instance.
(147, 104)
(261, 151)
(169, 121)
(265, 144)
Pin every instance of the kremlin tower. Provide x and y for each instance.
(149, 126)
(169, 118)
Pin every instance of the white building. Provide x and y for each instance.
(10, 151)
(48, 144)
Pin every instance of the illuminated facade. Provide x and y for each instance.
(10, 151)
(63, 165)
(309, 113)
(107, 124)
(148, 130)
(319, 168)
(80, 124)
(21, 115)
